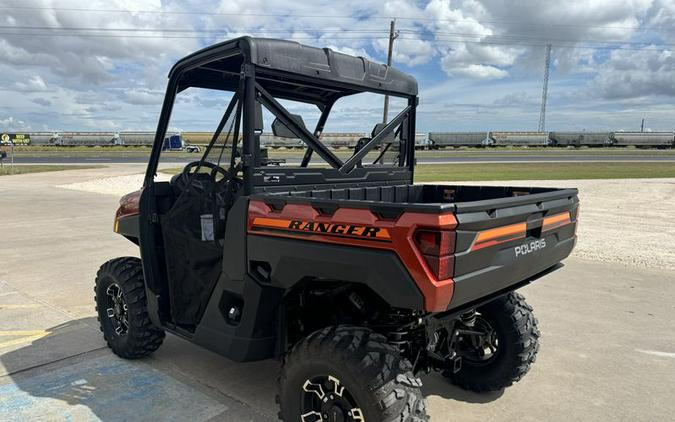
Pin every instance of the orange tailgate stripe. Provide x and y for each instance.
(517, 231)
(499, 235)
(555, 221)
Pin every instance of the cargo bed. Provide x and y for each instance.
(503, 236)
(422, 198)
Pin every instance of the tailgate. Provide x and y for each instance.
(505, 241)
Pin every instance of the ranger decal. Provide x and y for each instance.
(320, 228)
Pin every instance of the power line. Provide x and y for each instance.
(184, 30)
(295, 16)
(295, 38)
(346, 30)
(417, 34)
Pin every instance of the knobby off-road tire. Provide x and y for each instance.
(376, 379)
(518, 344)
(123, 277)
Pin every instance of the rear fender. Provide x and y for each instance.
(126, 217)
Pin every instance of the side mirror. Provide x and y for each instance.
(404, 129)
(279, 129)
(378, 128)
(258, 118)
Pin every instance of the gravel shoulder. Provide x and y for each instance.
(627, 221)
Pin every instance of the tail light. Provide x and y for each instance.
(437, 248)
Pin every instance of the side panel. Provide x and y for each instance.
(290, 261)
(361, 231)
(253, 335)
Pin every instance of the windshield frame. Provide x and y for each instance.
(254, 91)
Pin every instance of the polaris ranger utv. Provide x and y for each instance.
(351, 275)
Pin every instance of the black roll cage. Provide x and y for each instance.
(250, 78)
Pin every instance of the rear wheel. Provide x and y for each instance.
(121, 306)
(347, 374)
(503, 348)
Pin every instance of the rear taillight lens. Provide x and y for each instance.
(437, 248)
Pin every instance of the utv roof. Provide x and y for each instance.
(288, 69)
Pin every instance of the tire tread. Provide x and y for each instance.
(143, 337)
(387, 375)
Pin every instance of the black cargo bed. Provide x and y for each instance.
(438, 199)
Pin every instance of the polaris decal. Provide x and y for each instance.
(527, 248)
(319, 228)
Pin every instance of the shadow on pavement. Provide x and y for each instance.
(93, 384)
(435, 384)
(73, 367)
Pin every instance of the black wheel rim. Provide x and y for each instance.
(480, 346)
(116, 309)
(325, 399)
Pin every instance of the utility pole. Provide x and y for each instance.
(642, 125)
(544, 92)
(393, 34)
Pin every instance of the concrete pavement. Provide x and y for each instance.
(608, 344)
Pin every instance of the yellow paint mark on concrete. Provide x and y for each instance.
(10, 333)
(28, 306)
(22, 340)
(25, 336)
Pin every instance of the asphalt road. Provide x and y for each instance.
(607, 336)
(487, 158)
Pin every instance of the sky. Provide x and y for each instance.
(102, 65)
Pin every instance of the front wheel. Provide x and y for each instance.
(346, 374)
(122, 311)
(503, 348)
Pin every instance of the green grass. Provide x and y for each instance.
(7, 170)
(80, 148)
(118, 151)
(541, 171)
(530, 171)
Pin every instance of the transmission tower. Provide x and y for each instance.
(544, 92)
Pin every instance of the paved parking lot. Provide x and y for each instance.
(608, 346)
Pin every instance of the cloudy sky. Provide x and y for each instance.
(102, 65)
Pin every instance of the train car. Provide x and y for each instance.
(87, 138)
(197, 138)
(136, 138)
(276, 142)
(43, 138)
(519, 138)
(341, 140)
(643, 139)
(458, 139)
(578, 139)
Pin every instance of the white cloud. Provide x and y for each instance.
(456, 48)
(631, 74)
(11, 124)
(143, 96)
(33, 84)
(478, 71)
(411, 52)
